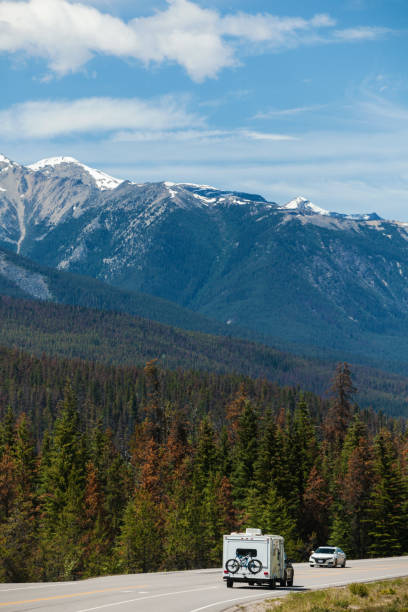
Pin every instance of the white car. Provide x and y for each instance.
(327, 556)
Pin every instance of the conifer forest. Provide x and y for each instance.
(107, 469)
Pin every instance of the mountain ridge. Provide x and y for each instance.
(310, 281)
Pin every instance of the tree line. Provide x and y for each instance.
(77, 501)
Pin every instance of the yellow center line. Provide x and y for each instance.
(24, 601)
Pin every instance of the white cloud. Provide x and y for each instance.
(346, 171)
(361, 33)
(288, 112)
(49, 119)
(189, 135)
(376, 107)
(198, 136)
(253, 135)
(277, 31)
(68, 34)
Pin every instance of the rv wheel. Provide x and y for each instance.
(230, 583)
(272, 584)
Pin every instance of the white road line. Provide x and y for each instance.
(119, 603)
(332, 584)
(38, 586)
(217, 603)
(281, 593)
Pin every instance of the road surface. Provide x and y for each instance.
(192, 591)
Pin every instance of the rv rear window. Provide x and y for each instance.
(243, 552)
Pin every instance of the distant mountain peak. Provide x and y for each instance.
(5, 160)
(54, 161)
(303, 204)
(102, 180)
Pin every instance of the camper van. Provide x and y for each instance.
(256, 559)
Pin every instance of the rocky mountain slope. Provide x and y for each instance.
(301, 276)
(25, 279)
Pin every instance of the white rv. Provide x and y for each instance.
(256, 559)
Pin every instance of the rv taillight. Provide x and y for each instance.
(226, 572)
(266, 573)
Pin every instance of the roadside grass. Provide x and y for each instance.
(383, 596)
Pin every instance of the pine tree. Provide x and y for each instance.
(353, 492)
(62, 484)
(206, 461)
(316, 507)
(18, 528)
(245, 452)
(386, 513)
(341, 408)
(267, 456)
(140, 542)
(155, 410)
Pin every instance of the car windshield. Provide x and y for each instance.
(325, 551)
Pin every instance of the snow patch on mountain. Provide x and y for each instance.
(5, 160)
(20, 210)
(102, 180)
(206, 200)
(32, 283)
(303, 204)
(79, 253)
(52, 162)
(169, 185)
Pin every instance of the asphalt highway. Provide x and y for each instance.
(191, 591)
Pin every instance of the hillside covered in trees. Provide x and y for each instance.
(122, 339)
(204, 455)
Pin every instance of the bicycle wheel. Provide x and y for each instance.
(232, 565)
(254, 566)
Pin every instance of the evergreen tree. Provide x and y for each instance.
(62, 485)
(353, 492)
(206, 462)
(140, 542)
(386, 512)
(245, 452)
(18, 526)
(341, 408)
(155, 410)
(314, 524)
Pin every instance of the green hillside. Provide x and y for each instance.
(120, 339)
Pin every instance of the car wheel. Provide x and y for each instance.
(344, 563)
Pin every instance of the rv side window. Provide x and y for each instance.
(243, 552)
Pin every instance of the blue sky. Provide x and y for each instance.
(282, 98)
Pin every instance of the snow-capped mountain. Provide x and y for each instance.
(295, 272)
(304, 205)
(64, 166)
